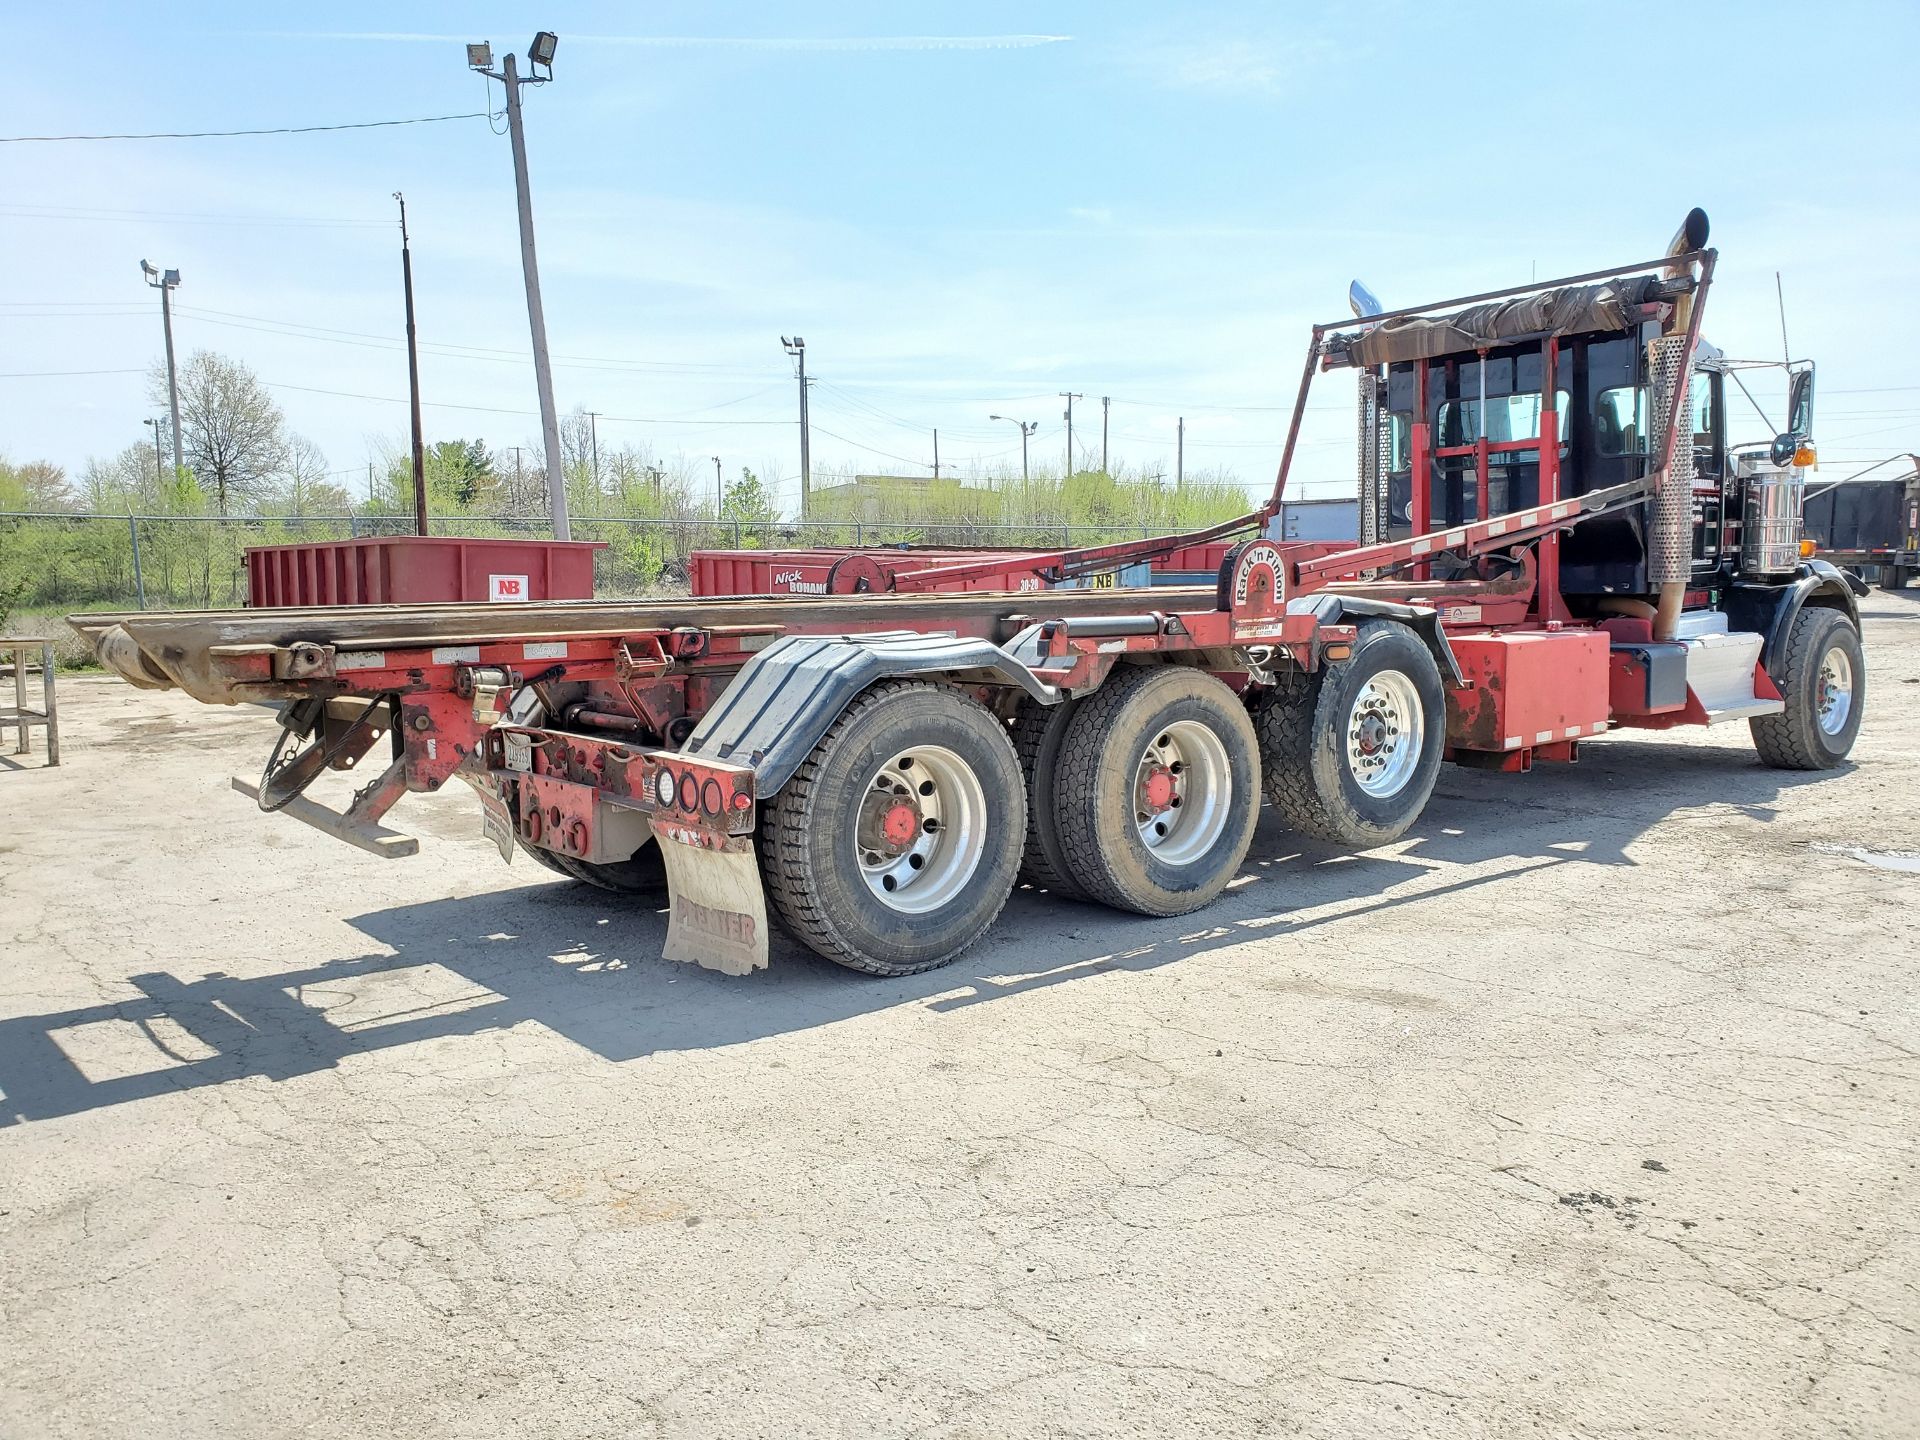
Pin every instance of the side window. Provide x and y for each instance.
(1620, 421)
(1509, 417)
(1700, 398)
(1399, 447)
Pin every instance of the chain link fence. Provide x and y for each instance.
(54, 563)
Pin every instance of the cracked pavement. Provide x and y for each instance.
(1588, 1109)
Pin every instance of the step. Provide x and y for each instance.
(1720, 673)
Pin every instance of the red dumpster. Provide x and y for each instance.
(416, 569)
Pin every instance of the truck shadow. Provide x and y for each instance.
(583, 964)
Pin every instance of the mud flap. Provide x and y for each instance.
(718, 918)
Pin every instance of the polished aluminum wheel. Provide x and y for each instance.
(1834, 693)
(921, 829)
(1386, 733)
(1181, 792)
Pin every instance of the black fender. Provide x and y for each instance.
(1344, 609)
(1770, 609)
(788, 695)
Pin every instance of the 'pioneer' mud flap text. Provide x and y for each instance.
(718, 918)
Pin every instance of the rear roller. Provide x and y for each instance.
(1350, 755)
(895, 844)
(644, 874)
(1157, 790)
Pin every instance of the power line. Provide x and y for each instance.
(227, 134)
(49, 374)
(503, 410)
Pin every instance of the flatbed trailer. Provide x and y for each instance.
(880, 767)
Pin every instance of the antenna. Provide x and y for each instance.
(1786, 351)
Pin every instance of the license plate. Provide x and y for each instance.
(519, 752)
(496, 823)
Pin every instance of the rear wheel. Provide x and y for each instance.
(1350, 755)
(1037, 734)
(1893, 577)
(895, 844)
(1158, 790)
(1823, 679)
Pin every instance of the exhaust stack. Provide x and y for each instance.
(1669, 364)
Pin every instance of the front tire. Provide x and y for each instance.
(894, 846)
(1350, 755)
(1158, 790)
(1823, 679)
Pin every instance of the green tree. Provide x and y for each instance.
(463, 469)
(747, 501)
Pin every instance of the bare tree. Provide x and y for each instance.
(231, 430)
(304, 488)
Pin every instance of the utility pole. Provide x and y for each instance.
(593, 429)
(1070, 397)
(655, 474)
(518, 482)
(1180, 455)
(797, 348)
(1105, 401)
(166, 282)
(539, 55)
(719, 489)
(413, 378)
(936, 453)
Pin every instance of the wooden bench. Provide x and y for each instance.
(17, 714)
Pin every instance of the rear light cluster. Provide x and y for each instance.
(692, 793)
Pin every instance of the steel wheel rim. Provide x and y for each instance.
(1385, 735)
(920, 829)
(1834, 694)
(1182, 792)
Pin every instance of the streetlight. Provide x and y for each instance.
(797, 348)
(159, 465)
(1027, 428)
(166, 282)
(539, 57)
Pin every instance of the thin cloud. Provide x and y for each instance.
(837, 43)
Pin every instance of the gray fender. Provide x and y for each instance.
(787, 697)
(1348, 609)
(1770, 609)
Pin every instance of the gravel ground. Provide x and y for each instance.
(1589, 1109)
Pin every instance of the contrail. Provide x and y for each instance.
(719, 42)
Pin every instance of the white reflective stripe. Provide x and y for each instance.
(1456, 537)
(1600, 725)
(1564, 510)
(1512, 742)
(1421, 547)
(545, 650)
(1499, 527)
(360, 660)
(1573, 730)
(1543, 737)
(457, 655)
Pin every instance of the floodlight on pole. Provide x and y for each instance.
(539, 54)
(166, 282)
(480, 57)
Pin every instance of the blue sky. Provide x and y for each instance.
(964, 208)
